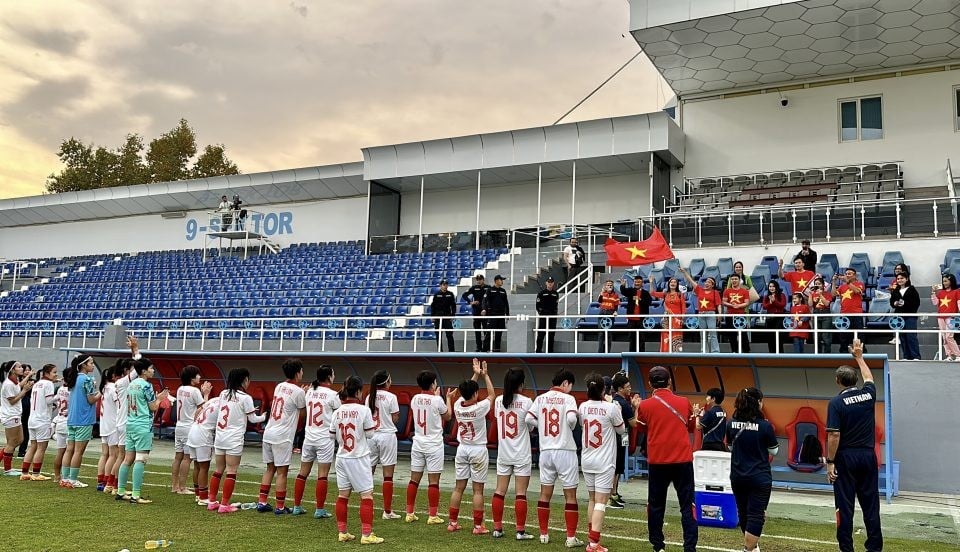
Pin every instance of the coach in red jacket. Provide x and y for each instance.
(670, 420)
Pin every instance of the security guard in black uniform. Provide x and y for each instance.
(851, 459)
(444, 304)
(547, 301)
(474, 297)
(495, 305)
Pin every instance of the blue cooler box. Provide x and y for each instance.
(713, 498)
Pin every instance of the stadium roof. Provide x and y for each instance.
(304, 184)
(602, 146)
(710, 45)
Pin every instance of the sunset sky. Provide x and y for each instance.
(292, 84)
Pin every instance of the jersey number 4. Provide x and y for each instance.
(422, 421)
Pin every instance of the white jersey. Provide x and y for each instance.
(387, 406)
(122, 385)
(351, 424)
(427, 411)
(471, 421)
(321, 402)
(232, 419)
(602, 421)
(8, 390)
(43, 402)
(552, 412)
(189, 398)
(204, 425)
(288, 400)
(109, 409)
(513, 435)
(63, 406)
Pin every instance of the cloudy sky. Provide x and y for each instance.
(291, 84)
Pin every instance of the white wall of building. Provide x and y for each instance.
(754, 134)
(333, 220)
(601, 199)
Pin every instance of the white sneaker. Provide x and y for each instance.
(79, 485)
(544, 539)
(574, 542)
(390, 515)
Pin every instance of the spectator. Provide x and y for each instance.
(226, 214)
(444, 307)
(945, 298)
(736, 299)
(807, 255)
(819, 303)
(898, 269)
(609, 303)
(474, 296)
(850, 291)
(239, 213)
(573, 258)
(745, 280)
(801, 322)
(708, 306)
(800, 278)
(638, 306)
(496, 306)
(775, 305)
(547, 308)
(674, 307)
(669, 420)
(713, 422)
(623, 395)
(906, 301)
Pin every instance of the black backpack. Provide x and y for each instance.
(810, 450)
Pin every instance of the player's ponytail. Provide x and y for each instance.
(351, 388)
(235, 380)
(324, 375)
(5, 369)
(512, 384)
(378, 381)
(105, 377)
(747, 406)
(595, 386)
(70, 376)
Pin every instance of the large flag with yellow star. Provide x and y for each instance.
(648, 251)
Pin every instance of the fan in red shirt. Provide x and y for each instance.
(708, 306)
(674, 305)
(850, 291)
(736, 299)
(801, 322)
(775, 304)
(800, 278)
(819, 303)
(945, 297)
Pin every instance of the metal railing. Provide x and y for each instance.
(577, 333)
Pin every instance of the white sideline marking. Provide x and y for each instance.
(955, 512)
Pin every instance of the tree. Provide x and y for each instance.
(167, 159)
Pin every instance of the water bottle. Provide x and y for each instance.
(154, 544)
(248, 505)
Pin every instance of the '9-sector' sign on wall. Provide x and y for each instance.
(267, 224)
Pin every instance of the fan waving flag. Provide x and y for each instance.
(648, 251)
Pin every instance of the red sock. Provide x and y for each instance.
(366, 516)
(264, 494)
(477, 518)
(571, 514)
(433, 499)
(589, 526)
(341, 512)
(388, 494)
(36, 467)
(299, 485)
(203, 493)
(281, 499)
(228, 487)
(7, 460)
(101, 478)
(214, 485)
(520, 508)
(196, 488)
(543, 515)
(497, 504)
(113, 481)
(594, 536)
(454, 514)
(321, 492)
(25, 469)
(411, 496)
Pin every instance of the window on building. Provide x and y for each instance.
(861, 119)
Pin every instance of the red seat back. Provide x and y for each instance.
(805, 416)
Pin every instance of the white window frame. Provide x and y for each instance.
(858, 99)
(954, 98)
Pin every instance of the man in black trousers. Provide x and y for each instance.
(496, 306)
(851, 458)
(474, 297)
(547, 302)
(444, 304)
(638, 304)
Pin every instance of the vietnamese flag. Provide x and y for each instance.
(648, 251)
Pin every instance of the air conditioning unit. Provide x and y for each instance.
(174, 214)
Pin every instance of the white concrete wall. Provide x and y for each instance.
(754, 134)
(604, 199)
(342, 219)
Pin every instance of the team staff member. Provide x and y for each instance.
(609, 303)
(850, 291)
(496, 305)
(670, 420)
(547, 302)
(713, 422)
(444, 304)
(474, 296)
(623, 395)
(752, 442)
(851, 460)
(708, 305)
(638, 305)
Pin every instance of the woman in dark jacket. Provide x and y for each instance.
(752, 442)
(906, 301)
(774, 302)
